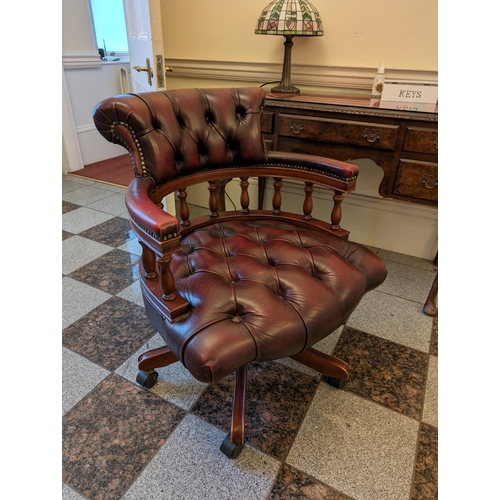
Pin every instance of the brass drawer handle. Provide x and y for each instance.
(435, 141)
(430, 182)
(372, 134)
(297, 126)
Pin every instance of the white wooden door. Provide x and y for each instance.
(145, 43)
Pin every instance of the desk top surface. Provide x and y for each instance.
(351, 104)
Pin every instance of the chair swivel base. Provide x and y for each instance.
(147, 378)
(335, 382)
(231, 450)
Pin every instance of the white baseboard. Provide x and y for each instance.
(95, 148)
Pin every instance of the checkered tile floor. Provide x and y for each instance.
(376, 439)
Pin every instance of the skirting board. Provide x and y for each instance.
(94, 148)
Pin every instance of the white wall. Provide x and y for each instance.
(88, 81)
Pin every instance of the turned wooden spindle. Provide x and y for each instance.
(213, 198)
(336, 216)
(148, 262)
(167, 281)
(244, 198)
(277, 195)
(183, 207)
(308, 201)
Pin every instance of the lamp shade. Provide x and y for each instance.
(289, 17)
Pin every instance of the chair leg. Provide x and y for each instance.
(234, 442)
(335, 370)
(148, 361)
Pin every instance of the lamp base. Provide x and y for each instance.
(286, 89)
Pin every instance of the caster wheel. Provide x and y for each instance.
(147, 378)
(231, 450)
(336, 382)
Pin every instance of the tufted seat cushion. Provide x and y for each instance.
(260, 290)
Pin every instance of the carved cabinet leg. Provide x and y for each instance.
(430, 304)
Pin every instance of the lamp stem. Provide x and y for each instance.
(286, 81)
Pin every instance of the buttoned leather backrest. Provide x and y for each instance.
(178, 132)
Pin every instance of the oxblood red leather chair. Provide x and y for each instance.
(233, 287)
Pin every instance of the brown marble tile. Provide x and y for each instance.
(66, 235)
(68, 207)
(433, 350)
(114, 232)
(291, 484)
(111, 435)
(385, 372)
(277, 399)
(111, 272)
(425, 481)
(110, 333)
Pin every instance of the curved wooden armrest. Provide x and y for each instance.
(343, 170)
(153, 222)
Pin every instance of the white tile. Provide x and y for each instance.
(78, 299)
(133, 293)
(114, 204)
(86, 195)
(132, 246)
(175, 383)
(407, 282)
(356, 446)
(78, 251)
(408, 260)
(69, 494)
(393, 318)
(191, 466)
(82, 219)
(79, 377)
(430, 413)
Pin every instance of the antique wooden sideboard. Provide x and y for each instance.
(402, 142)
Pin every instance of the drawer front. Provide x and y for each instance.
(346, 132)
(421, 140)
(417, 179)
(267, 122)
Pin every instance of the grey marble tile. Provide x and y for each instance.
(133, 293)
(393, 318)
(86, 195)
(132, 246)
(82, 219)
(78, 251)
(407, 282)
(78, 299)
(355, 446)
(430, 412)
(409, 260)
(72, 183)
(175, 383)
(114, 204)
(69, 494)
(190, 466)
(79, 377)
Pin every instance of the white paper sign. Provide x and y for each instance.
(410, 91)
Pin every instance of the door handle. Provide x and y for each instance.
(148, 69)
